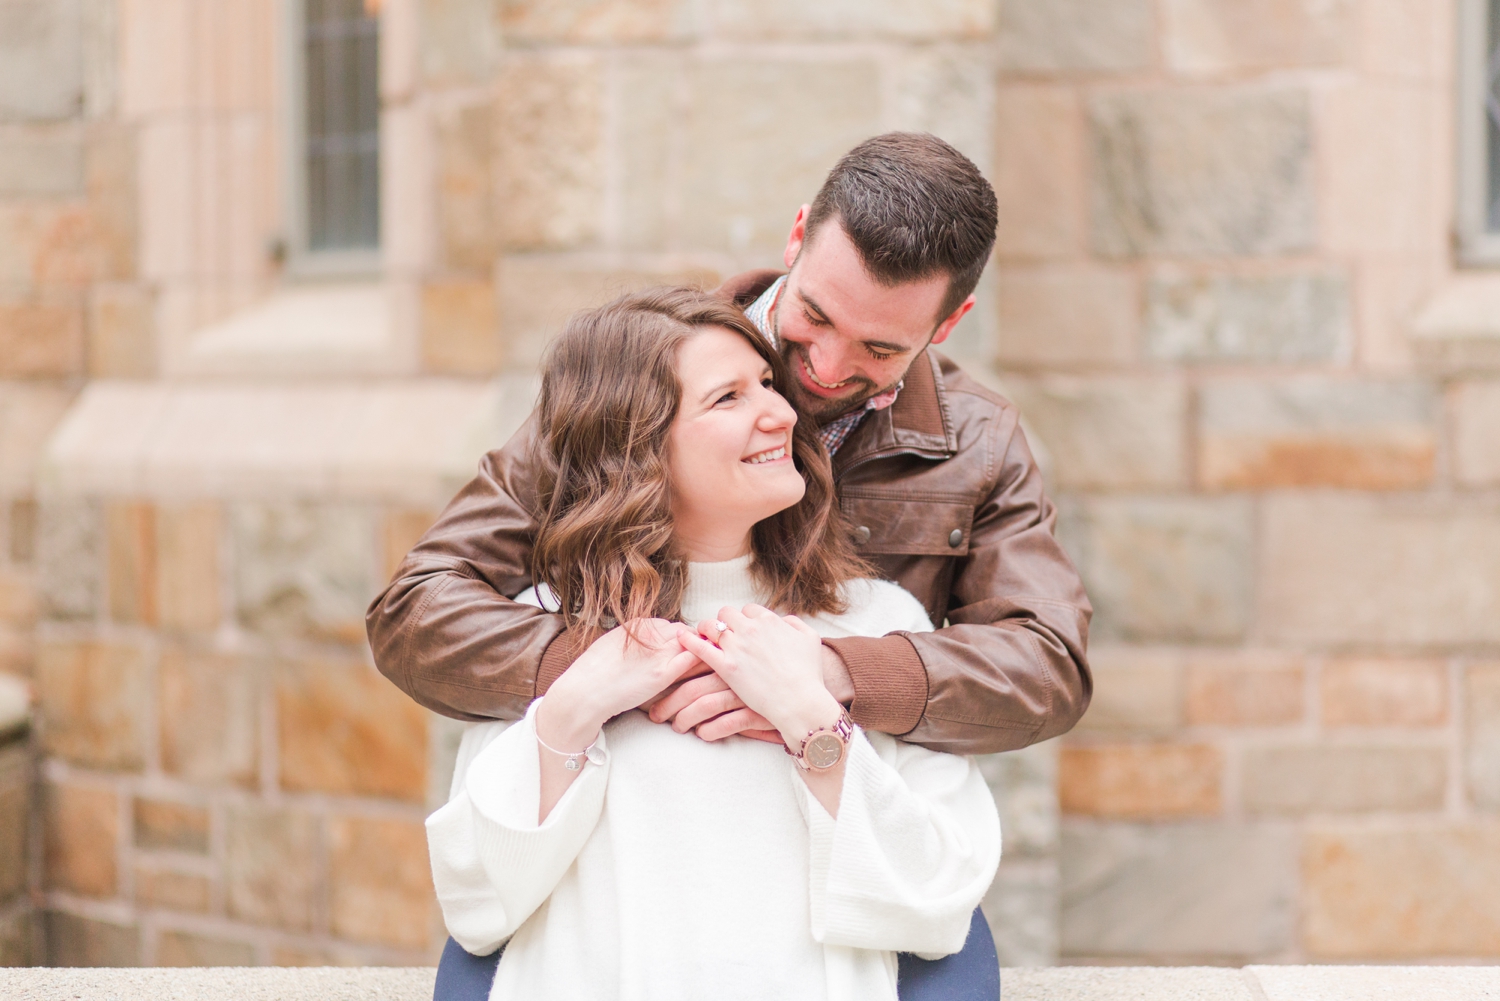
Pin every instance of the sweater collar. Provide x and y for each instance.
(711, 586)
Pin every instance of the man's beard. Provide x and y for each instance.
(820, 408)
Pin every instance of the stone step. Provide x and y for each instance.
(1068, 983)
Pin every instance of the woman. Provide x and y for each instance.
(615, 857)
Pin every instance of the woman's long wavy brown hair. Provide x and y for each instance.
(604, 543)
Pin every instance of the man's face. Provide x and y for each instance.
(845, 336)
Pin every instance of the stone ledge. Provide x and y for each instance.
(413, 441)
(1067, 983)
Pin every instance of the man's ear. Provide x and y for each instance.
(946, 327)
(796, 237)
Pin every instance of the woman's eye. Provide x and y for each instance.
(767, 383)
(726, 398)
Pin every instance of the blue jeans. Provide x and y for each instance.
(970, 975)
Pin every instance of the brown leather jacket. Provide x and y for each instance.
(946, 500)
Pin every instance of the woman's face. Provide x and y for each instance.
(730, 449)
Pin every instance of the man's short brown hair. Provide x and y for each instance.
(914, 207)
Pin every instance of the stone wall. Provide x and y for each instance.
(1223, 294)
(1220, 221)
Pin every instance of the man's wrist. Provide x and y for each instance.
(836, 677)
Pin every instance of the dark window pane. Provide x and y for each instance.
(343, 126)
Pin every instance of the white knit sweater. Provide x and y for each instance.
(685, 869)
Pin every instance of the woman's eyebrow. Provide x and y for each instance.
(727, 384)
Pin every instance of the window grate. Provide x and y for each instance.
(342, 143)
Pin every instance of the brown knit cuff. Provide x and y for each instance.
(557, 658)
(890, 682)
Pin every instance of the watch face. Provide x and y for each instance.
(823, 751)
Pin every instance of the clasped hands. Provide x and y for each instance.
(763, 675)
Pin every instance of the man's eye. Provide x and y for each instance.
(814, 320)
(881, 355)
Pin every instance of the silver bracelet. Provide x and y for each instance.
(571, 761)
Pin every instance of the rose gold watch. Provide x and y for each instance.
(826, 746)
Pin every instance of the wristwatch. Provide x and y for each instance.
(825, 747)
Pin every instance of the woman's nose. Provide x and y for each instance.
(777, 412)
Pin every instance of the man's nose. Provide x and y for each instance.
(827, 362)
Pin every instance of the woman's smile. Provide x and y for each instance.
(770, 455)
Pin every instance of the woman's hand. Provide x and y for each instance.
(774, 664)
(616, 673)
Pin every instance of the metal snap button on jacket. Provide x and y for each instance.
(861, 535)
(956, 537)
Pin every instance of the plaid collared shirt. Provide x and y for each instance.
(838, 430)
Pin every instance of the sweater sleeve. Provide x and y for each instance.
(914, 849)
(492, 864)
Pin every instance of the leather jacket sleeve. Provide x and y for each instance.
(1011, 667)
(445, 629)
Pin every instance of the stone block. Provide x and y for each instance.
(1244, 688)
(549, 151)
(188, 539)
(82, 839)
(36, 163)
(1141, 781)
(460, 328)
(162, 889)
(1312, 431)
(1162, 569)
(121, 332)
(17, 597)
(733, 196)
(1024, 784)
(1343, 779)
(162, 825)
(787, 20)
(1381, 189)
(468, 232)
(41, 337)
(539, 293)
(1039, 179)
(210, 715)
(41, 59)
(1418, 891)
(1482, 737)
(130, 546)
(1109, 432)
(112, 224)
(1359, 569)
(180, 948)
(344, 729)
(78, 941)
(304, 569)
(552, 22)
(948, 91)
(1209, 892)
(1135, 691)
(380, 882)
(651, 88)
(28, 415)
(460, 41)
(1476, 431)
(1231, 318)
(1228, 36)
(19, 939)
(1021, 908)
(270, 866)
(15, 819)
(22, 525)
(1066, 318)
(1073, 35)
(1202, 173)
(92, 702)
(401, 530)
(1343, 982)
(1384, 692)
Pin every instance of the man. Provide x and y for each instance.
(932, 470)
